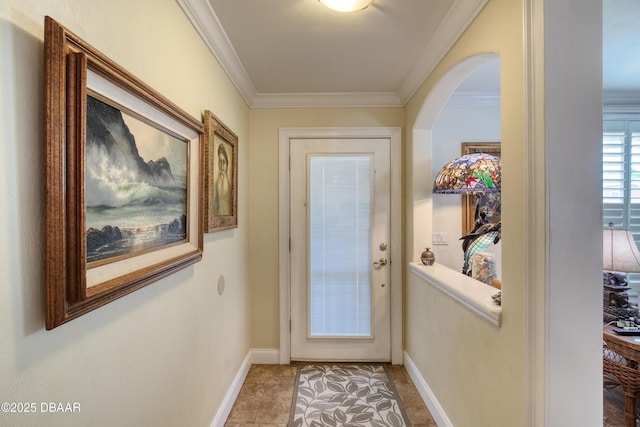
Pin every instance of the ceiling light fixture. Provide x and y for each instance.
(346, 5)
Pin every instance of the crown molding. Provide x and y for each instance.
(621, 98)
(326, 99)
(459, 17)
(203, 18)
(474, 99)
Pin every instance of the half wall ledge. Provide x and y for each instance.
(474, 295)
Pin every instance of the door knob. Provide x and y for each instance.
(380, 263)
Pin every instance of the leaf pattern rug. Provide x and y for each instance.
(355, 395)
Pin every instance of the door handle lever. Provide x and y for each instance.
(380, 263)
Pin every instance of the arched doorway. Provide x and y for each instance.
(473, 83)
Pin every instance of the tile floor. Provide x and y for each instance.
(265, 397)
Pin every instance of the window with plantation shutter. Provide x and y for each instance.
(621, 180)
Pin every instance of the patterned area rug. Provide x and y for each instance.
(345, 394)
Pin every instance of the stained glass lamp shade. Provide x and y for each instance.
(470, 174)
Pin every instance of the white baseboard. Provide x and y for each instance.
(232, 393)
(427, 395)
(256, 356)
(265, 356)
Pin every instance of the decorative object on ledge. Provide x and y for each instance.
(483, 267)
(427, 257)
(478, 174)
(221, 175)
(123, 177)
(497, 298)
(620, 256)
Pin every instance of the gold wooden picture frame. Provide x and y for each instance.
(469, 200)
(221, 175)
(123, 180)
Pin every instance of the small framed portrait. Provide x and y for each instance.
(221, 175)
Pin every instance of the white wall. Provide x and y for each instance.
(164, 355)
(457, 124)
(572, 136)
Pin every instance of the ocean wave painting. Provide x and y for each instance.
(135, 184)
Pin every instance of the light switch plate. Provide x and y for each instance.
(440, 238)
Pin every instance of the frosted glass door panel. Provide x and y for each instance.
(340, 203)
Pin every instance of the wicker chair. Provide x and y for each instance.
(620, 359)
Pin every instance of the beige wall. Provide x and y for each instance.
(164, 355)
(263, 185)
(477, 370)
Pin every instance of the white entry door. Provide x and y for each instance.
(340, 255)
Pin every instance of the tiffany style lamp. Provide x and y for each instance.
(478, 174)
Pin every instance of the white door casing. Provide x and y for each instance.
(394, 254)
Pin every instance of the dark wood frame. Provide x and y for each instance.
(215, 130)
(469, 200)
(72, 69)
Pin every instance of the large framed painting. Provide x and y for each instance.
(221, 175)
(124, 180)
(469, 200)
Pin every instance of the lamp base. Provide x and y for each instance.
(616, 305)
(612, 314)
